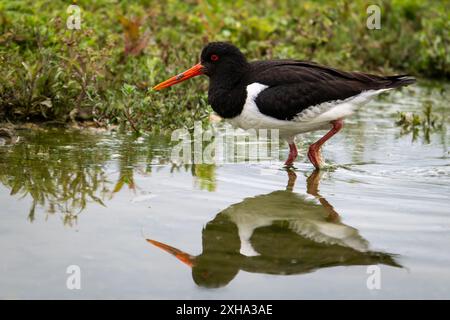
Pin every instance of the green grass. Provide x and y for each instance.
(103, 72)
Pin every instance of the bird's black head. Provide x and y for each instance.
(218, 60)
(221, 58)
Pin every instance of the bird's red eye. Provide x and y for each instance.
(214, 57)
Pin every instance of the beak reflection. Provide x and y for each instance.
(282, 232)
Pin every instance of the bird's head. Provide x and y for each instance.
(217, 58)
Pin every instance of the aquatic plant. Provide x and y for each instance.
(425, 123)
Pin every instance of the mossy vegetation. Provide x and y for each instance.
(104, 71)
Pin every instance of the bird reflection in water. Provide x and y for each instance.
(282, 232)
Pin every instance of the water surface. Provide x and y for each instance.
(141, 226)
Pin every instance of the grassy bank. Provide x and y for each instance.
(103, 72)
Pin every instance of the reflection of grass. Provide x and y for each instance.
(205, 174)
(425, 123)
(59, 172)
(63, 171)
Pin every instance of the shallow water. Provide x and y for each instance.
(140, 226)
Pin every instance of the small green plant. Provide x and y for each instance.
(414, 123)
(129, 92)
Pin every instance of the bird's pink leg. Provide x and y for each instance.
(293, 153)
(314, 153)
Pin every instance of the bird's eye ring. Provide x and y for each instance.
(214, 57)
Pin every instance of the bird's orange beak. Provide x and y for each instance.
(180, 255)
(196, 70)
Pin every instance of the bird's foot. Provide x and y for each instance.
(289, 164)
(315, 156)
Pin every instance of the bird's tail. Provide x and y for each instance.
(400, 80)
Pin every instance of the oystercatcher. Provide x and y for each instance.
(290, 95)
(263, 234)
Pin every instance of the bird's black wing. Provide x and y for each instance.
(293, 86)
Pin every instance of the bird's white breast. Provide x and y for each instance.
(251, 117)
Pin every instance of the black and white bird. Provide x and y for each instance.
(289, 95)
(282, 232)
